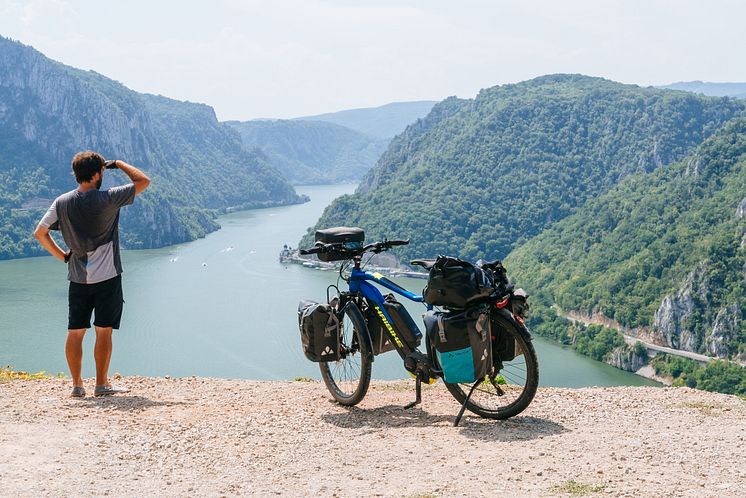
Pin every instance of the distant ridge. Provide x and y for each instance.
(384, 121)
(710, 89)
(312, 152)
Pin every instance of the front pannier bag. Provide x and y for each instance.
(456, 284)
(462, 343)
(381, 341)
(319, 331)
(401, 321)
(404, 325)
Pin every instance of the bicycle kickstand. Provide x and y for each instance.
(418, 392)
(463, 407)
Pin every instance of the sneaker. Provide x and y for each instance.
(78, 392)
(109, 390)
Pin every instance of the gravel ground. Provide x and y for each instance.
(212, 437)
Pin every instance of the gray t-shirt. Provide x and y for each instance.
(89, 222)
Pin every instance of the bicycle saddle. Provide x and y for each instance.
(425, 263)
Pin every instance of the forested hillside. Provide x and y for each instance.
(49, 111)
(663, 252)
(308, 152)
(383, 122)
(476, 178)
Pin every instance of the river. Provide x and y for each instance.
(221, 306)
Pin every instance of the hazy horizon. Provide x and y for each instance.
(292, 58)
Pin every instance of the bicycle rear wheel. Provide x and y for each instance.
(348, 378)
(509, 390)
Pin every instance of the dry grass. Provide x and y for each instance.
(706, 409)
(7, 374)
(575, 488)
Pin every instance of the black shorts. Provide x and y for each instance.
(105, 297)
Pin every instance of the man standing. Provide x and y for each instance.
(89, 220)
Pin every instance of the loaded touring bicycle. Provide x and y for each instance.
(475, 337)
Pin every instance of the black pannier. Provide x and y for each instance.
(404, 326)
(454, 283)
(351, 239)
(503, 343)
(499, 276)
(462, 343)
(319, 331)
(379, 338)
(519, 303)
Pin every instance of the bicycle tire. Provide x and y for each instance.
(520, 382)
(348, 378)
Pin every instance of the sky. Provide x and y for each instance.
(288, 58)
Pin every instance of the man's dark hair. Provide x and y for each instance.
(86, 164)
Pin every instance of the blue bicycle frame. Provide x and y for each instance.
(359, 285)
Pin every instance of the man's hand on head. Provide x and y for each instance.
(112, 164)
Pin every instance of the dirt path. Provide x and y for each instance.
(208, 437)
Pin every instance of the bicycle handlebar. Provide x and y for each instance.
(313, 250)
(375, 247)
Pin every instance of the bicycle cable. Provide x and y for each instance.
(368, 260)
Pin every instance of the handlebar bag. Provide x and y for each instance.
(350, 239)
(462, 343)
(319, 331)
(455, 284)
(337, 235)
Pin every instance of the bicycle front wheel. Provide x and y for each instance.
(349, 377)
(510, 389)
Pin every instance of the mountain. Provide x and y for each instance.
(663, 253)
(308, 152)
(737, 90)
(49, 111)
(477, 178)
(385, 121)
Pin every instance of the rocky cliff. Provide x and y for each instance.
(690, 320)
(49, 111)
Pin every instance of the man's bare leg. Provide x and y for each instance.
(74, 354)
(102, 355)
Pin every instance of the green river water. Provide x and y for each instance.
(222, 306)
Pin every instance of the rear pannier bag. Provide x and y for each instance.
(499, 276)
(519, 303)
(350, 238)
(462, 343)
(456, 284)
(319, 331)
(503, 343)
